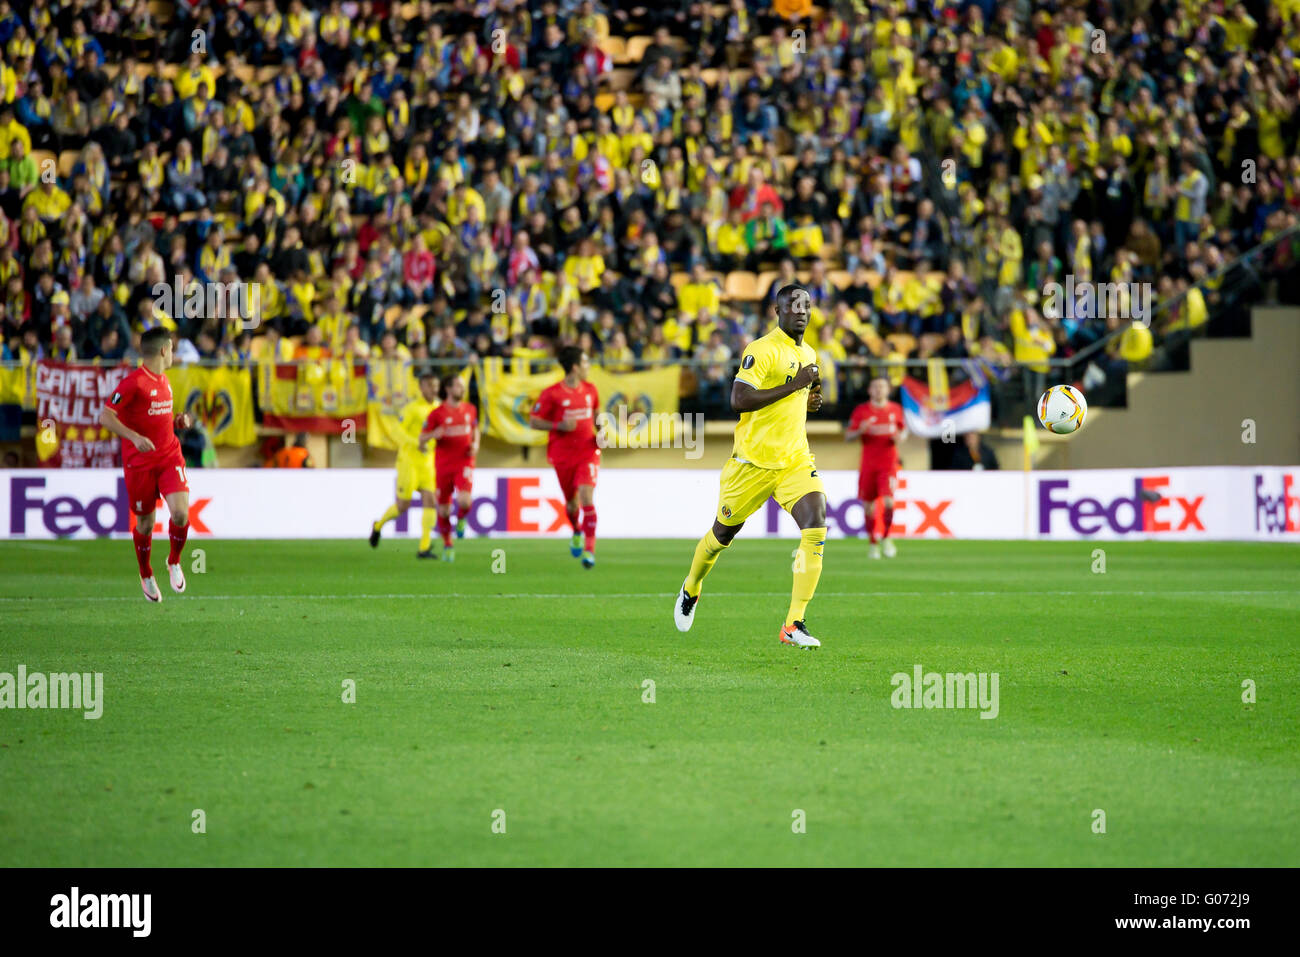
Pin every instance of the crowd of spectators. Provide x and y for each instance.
(501, 177)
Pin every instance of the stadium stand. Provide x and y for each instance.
(498, 178)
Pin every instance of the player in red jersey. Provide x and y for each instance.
(453, 425)
(879, 424)
(567, 410)
(140, 412)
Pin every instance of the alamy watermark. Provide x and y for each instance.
(210, 300)
(70, 690)
(1102, 300)
(930, 689)
(129, 911)
(651, 430)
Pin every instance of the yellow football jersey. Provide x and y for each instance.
(774, 436)
(414, 414)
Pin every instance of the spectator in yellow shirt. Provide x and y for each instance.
(1034, 343)
(585, 269)
(49, 201)
(699, 294)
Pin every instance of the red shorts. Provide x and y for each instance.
(145, 484)
(877, 483)
(457, 476)
(574, 474)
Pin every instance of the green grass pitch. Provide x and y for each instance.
(522, 691)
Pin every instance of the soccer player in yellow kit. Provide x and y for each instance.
(777, 386)
(414, 468)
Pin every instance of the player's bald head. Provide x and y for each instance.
(787, 295)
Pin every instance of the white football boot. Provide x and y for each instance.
(797, 634)
(150, 589)
(874, 550)
(177, 575)
(684, 609)
(890, 550)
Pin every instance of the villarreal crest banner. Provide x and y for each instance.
(219, 398)
(68, 402)
(389, 394)
(391, 384)
(937, 409)
(320, 395)
(638, 409)
(507, 402)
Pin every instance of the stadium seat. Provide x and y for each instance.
(616, 47)
(679, 279)
(164, 12)
(840, 278)
(620, 79)
(743, 286)
(636, 47)
(68, 160)
(391, 315)
(40, 156)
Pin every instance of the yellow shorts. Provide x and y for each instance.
(414, 474)
(745, 488)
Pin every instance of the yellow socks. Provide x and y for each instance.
(387, 517)
(428, 515)
(807, 569)
(706, 553)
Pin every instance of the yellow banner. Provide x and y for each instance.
(323, 389)
(221, 399)
(391, 389)
(640, 408)
(13, 386)
(637, 409)
(507, 400)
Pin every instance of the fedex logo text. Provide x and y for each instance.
(518, 506)
(65, 515)
(1276, 513)
(1148, 510)
(913, 517)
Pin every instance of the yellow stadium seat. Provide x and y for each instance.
(604, 102)
(616, 47)
(67, 160)
(620, 79)
(840, 278)
(679, 279)
(391, 315)
(765, 280)
(742, 285)
(636, 47)
(39, 157)
(163, 11)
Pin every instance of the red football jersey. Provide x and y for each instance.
(143, 401)
(458, 425)
(878, 424)
(559, 402)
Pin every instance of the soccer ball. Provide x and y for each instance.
(1062, 409)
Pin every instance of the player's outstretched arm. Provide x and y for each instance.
(546, 425)
(746, 398)
(109, 420)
